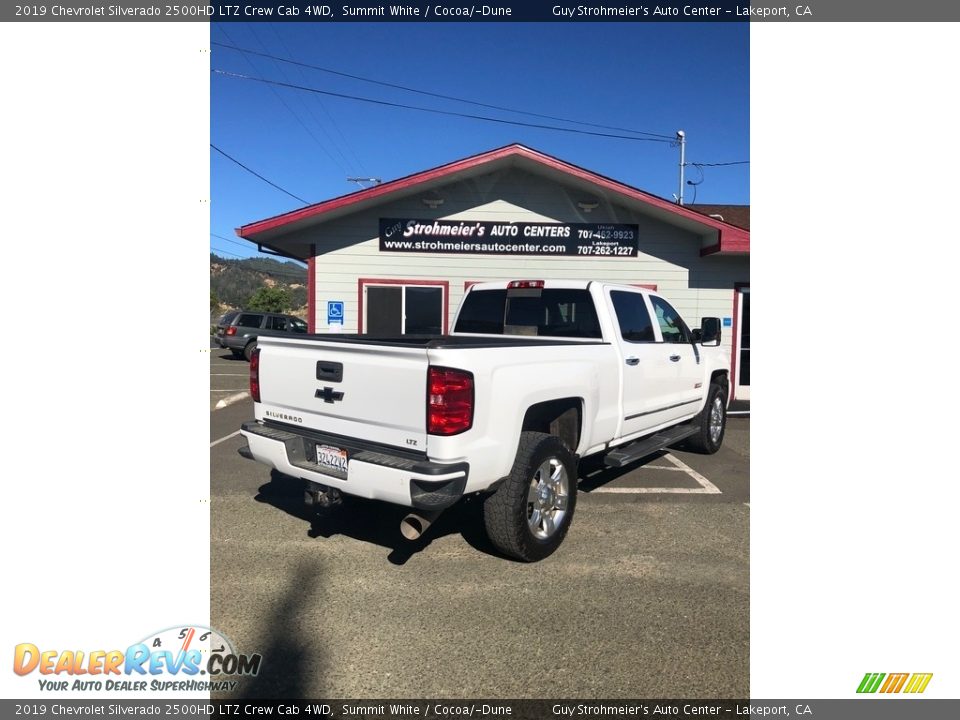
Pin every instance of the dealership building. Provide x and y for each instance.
(397, 257)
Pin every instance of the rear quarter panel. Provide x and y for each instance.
(508, 381)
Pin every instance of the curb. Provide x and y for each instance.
(231, 399)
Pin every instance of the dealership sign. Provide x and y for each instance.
(462, 237)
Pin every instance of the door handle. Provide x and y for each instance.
(674, 358)
(633, 361)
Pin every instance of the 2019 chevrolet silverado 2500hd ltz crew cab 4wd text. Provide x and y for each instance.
(535, 376)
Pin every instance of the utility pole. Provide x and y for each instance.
(682, 142)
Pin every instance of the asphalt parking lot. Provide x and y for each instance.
(228, 375)
(647, 597)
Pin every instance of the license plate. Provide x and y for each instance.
(332, 458)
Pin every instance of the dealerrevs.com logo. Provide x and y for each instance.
(894, 683)
(183, 659)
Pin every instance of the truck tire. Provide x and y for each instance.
(529, 514)
(248, 350)
(712, 422)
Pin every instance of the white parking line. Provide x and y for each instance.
(738, 412)
(225, 438)
(231, 399)
(706, 487)
(229, 374)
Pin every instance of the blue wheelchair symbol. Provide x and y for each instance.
(335, 312)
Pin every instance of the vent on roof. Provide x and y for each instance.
(717, 216)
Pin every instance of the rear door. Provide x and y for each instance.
(249, 323)
(364, 391)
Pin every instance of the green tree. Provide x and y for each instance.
(269, 299)
(214, 302)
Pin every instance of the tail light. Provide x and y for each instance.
(255, 374)
(449, 401)
(232, 330)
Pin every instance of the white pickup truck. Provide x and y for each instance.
(535, 376)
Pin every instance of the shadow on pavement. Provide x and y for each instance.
(285, 653)
(375, 522)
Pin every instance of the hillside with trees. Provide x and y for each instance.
(257, 284)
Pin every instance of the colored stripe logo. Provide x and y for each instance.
(894, 683)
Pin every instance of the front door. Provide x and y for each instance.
(645, 379)
(680, 358)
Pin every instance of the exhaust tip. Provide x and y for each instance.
(413, 526)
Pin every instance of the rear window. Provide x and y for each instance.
(249, 320)
(632, 316)
(553, 313)
(227, 318)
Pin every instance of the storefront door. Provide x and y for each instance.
(403, 309)
(742, 346)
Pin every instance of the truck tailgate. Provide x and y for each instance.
(368, 392)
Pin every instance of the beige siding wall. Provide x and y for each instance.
(348, 249)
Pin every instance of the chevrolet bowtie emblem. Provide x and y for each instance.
(329, 395)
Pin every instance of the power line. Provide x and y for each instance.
(285, 273)
(296, 276)
(703, 165)
(323, 107)
(435, 111)
(247, 245)
(303, 101)
(235, 242)
(281, 273)
(438, 95)
(254, 172)
(227, 252)
(290, 110)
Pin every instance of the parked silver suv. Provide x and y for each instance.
(238, 330)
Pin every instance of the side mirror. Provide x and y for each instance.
(709, 331)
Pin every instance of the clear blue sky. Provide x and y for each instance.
(651, 77)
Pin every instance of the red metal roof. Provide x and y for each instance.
(731, 238)
(738, 215)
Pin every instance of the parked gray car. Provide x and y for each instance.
(238, 330)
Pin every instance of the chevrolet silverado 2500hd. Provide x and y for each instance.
(535, 376)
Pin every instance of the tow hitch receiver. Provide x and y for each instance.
(316, 495)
